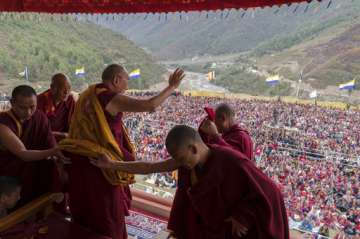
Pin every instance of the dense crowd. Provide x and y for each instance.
(312, 153)
(145, 223)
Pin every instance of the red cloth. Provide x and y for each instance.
(37, 177)
(132, 6)
(210, 116)
(184, 220)
(210, 112)
(94, 203)
(59, 115)
(236, 138)
(236, 188)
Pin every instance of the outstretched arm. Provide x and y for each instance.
(137, 167)
(123, 103)
(12, 143)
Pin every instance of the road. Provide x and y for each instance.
(199, 82)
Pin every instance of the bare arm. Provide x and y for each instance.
(12, 143)
(60, 135)
(137, 167)
(123, 103)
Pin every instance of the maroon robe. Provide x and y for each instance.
(36, 177)
(235, 188)
(237, 138)
(188, 227)
(94, 202)
(58, 115)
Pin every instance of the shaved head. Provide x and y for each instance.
(185, 145)
(226, 110)
(22, 90)
(10, 189)
(23, 102)
(8, 184)
(224, 117)
(59, 79)
(181, 136)
(60, 87)
(111, 71)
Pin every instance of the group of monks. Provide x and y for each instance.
(52, 143)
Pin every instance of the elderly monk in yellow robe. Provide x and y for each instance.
(100, 198)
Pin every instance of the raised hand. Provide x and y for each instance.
(176, 78)
(209, 128)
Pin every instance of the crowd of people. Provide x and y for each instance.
(312, 153)
(145, 223)
(4, 102)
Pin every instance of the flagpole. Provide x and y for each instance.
(349, 97)
(139, 82)
(299, 83)
(26, 73)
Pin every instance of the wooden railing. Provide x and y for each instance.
(149, 203)
(42, 205)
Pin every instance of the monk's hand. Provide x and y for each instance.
(176, 78)
(209, 128)
(59, 157)
(103, 161)
(237, 228)
(60, 135)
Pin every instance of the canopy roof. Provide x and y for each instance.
(133, 6)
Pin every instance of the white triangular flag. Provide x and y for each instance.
(313, 94)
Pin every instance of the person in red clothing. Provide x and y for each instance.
(96, 202)
(232, 198)
(58, 105)
(225, 131)
(26, 144)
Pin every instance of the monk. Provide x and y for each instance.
(100, 199)
(27, 145)
(225, 131)
(58, 105)
(10, 189)
(232, 198)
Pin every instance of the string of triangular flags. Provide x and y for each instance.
(181, 16)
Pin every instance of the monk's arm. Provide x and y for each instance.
(12, 143)
(218, 139)
(137, 167)
(123, 103)
(61, 135)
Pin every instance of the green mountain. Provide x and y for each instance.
(189, 34)
(319, 39)
(330, 58)
(49, 45)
